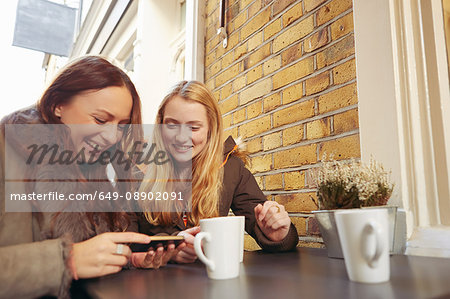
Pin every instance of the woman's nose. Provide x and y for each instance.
(111, 134)
(183, 135)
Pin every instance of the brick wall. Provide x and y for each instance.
(286, 84)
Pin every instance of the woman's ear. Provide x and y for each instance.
(57, 111)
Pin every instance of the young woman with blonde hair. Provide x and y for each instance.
(192, 134)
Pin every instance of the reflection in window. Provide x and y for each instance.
(129, 62)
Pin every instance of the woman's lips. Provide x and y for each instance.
(182, 148)
(91, 146)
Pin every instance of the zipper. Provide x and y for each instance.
(184, 217)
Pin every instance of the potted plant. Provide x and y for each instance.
(348, 185)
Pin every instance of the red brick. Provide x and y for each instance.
(313, 226)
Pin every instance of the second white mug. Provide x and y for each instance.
(363, 234)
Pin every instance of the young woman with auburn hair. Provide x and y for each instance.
(192, 133)
(88, 91)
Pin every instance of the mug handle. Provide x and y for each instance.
(198, 249)
(372, 228)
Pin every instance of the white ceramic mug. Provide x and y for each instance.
(241, 232)
(364, 238)
(221, 246)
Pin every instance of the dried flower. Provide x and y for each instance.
(344, 185)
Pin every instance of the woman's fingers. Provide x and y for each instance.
(193, 230)
(280, 222)
(185, 252)
(127, 237)
(277, 218)
(189, 249)
(122, 249)
(183, 257)
(168, 254)
(157, 260)
(258, 209)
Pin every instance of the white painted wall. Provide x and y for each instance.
(376, 89)
(404, 110)
(155, 31)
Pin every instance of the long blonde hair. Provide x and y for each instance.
(207, 173)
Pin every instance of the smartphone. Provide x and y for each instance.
(155, 241)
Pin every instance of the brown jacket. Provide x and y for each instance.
(29, 266)
(241, 193)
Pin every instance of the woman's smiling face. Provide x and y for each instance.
(185, 130)
(103, 113)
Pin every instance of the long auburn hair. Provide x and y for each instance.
(91, 73)
(207, 173)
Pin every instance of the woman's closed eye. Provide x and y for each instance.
(99, 120)
(172, 126)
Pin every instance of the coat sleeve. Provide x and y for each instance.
(35, 269)
(247, 195)
(29, 269)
